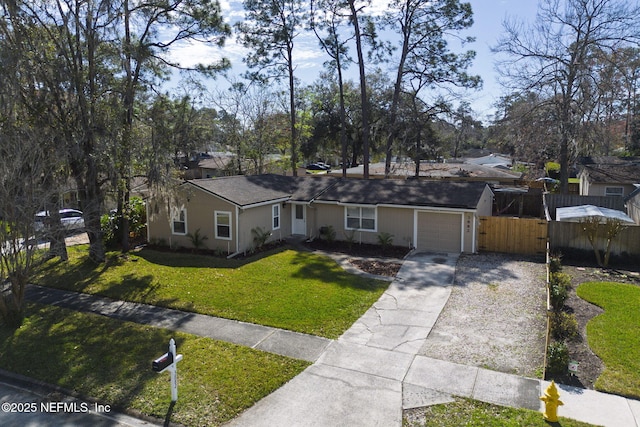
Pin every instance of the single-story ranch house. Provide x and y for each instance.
(429, 216)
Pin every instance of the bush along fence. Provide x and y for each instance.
(561, 326)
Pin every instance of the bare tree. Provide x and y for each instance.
(327, 17)
(424, 27)
(270, 29)
(612, 227)
(356, 16)
(551, 56)
(22, 167)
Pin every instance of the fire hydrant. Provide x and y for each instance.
(551, 402)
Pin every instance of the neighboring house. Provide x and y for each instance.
(632, 202)
(431, 216)
(609, 177)
(206, 165)
(459, 172)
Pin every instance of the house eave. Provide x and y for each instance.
(265, 203)
(212, 193)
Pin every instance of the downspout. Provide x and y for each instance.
(462, 229)
(474, 248)
(146, 207)
(237, 252)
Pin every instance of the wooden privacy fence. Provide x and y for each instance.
(512, 235)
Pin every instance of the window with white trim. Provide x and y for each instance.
(223, 225)
(179, 223)
(275, 223)
(360, 218)
(613, 191)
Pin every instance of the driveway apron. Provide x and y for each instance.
(358, 378)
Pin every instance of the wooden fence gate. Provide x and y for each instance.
(513, 235)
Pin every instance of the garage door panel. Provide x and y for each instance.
(439, 232)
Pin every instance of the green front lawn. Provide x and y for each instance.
(472, 413)
(613, 335)
(284, 288)
(111, 360)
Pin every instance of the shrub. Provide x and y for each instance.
(564, 326)
(197, 240)
(561, 278)
(558, 289)
(328, 233)
(350, 238)
(260, 237)
(109, 228)
(557, 295)
(555, 263)
(557, 358)
(385, 239)
(110, 223)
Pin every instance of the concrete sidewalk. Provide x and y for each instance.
(273, 340)
(372, 372)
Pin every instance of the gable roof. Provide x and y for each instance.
(618, 171)
(460, 195)
(245, 191)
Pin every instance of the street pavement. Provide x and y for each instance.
(28, 407)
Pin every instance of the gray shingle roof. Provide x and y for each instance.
(249, 190)
(464, 195)
(627, 173)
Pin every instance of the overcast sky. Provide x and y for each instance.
(488, 16)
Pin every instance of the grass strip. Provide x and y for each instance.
(286, 289)
(111, 360)
(613, 335)
(472, 413)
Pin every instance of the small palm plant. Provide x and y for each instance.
(260, 236)
(197, 239)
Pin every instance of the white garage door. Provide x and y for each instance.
(439, 232)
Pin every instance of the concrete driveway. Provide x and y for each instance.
(358, 380)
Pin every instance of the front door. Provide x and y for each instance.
(299, 220)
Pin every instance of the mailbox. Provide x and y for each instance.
(162, 362)
(169, 362)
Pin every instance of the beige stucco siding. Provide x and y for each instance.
(328, 215)
(597, 189)
(398, 222)
(262, 216)
(200, 213)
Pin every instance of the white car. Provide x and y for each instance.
(71, 219)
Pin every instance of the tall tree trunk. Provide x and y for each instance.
(393, 111)
(292, 107)
(364, 99)
(343, 119)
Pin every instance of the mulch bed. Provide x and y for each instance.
(373, 259)
(590, 366)
(379, 268)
